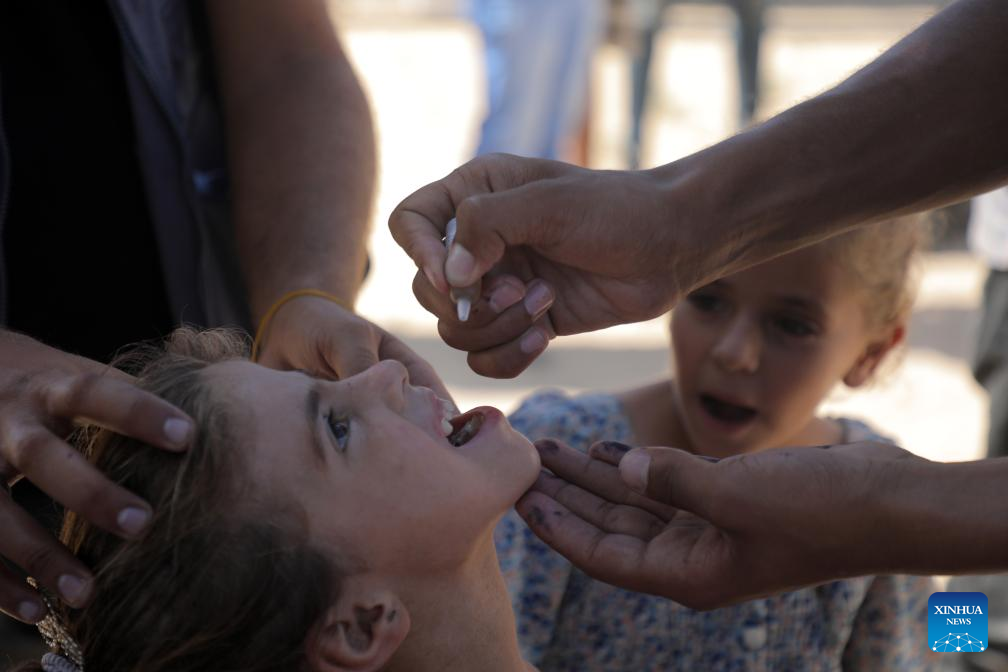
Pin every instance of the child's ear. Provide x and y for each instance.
(862, 370)
(359, 633)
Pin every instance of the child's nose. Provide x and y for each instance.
(738, 349)
(389, 377)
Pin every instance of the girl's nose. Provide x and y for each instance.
(388, 378)
(738, 348)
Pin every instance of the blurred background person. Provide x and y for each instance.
(538, 58)
(634, 26)
(988, 239)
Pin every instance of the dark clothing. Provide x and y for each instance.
(83, 271)
(122, 95)
(114, 211)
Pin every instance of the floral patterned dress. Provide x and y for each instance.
(568, 622)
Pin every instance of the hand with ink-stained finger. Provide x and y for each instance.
(737, 533)
(586, 511)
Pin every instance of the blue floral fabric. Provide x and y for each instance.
(568, 622)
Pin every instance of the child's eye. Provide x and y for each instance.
(705, 303)
(339, 427)
(795, 327)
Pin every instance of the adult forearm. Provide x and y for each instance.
(301, 146)
(945, 519)
(923, 125)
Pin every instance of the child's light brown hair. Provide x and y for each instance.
(881, 260)
(225, 578)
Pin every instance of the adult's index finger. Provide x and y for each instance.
(119, 405)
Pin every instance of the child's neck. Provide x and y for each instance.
(656, 420)
(653, 412)
(461, 622)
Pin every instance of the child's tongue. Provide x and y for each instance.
(726, 412)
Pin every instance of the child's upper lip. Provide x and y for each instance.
(728, 399)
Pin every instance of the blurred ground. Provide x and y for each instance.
(424, 76)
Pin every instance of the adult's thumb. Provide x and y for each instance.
(671, 476)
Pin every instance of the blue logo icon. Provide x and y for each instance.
(957, 622)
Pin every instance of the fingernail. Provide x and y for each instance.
(547, 446)
(536, 518)
(615, 447)
(133, 520)
(538, 299)
(73, 589)
(634, 469)
(451, 229)
(177, 431)
(463, 307)
(460, 267)
(430, 277)
(504, 297)
(709, 458)
(533, 341)
(29, 612)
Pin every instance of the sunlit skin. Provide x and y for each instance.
(769, 343)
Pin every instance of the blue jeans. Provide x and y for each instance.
(538, 62)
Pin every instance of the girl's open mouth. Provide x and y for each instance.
(723, 411)
(465, 427)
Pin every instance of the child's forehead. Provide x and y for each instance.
(809, 275)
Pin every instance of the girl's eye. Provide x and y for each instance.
(339, 427)
(795, 327)
(705, 303)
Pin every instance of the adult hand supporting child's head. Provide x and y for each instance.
(43, 392)
(708, 534)
(324, 339)
(584, 243)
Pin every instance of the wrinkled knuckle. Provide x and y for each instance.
(69, 394)
(25, 448)
(94, 502)
(654, 528)
(470, 208)
(493, 367)
(607, 514)
(451, 335)
(42, 560)
(420, 286)
(15, 387)
(395, 220)
(662, 485)
(358, 331)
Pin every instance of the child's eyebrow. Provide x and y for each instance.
(312, 401)
(802, 303)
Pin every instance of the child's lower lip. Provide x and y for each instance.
(722, 425)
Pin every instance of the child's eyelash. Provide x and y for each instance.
(796, 326)
(339, 427)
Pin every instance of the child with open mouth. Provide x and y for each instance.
(753, 356)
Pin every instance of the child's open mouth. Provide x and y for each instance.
(465, 427)
(723, 411)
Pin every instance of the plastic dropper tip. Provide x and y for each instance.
(463, 307)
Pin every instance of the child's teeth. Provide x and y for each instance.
(446, 427)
